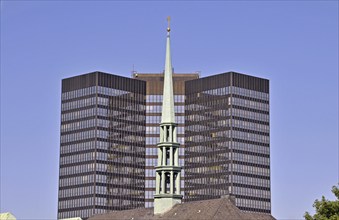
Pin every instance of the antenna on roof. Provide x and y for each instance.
(134, 73)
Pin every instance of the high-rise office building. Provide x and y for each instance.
(154, 94)
(227, 146)
(102, 145)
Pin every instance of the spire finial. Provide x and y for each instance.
(168, 21)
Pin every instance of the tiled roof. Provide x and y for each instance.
(216, 209)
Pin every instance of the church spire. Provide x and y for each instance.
(167, 189)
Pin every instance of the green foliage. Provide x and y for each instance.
(325, 209)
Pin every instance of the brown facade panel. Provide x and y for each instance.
(154, 92)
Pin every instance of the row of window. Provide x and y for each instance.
(95, 144)
(82, 124)
(78, 93)
(250, 170)
(251, 159)
(250, 104)
(219, 91)
(227, 123)
(123, 169)
(249, 136)
(99, 134)
(252, 204)
(158, 109)
(72, 181)
(112, 158)
(78, 191)
(207, 169)
(81, 202)
(202, 116)
(65, 138)
(251, 115)
(84, 213)
(121, 113)
(154, 162)
(204, 154)
(78, 114)
(83, 146)
(249, 125)
(78, 104)
(251, 181)
(157, 119)
(84, 168)
(129, 102)
(201, 138)
(206, 192)
(207, 127)
(158, 98)
(250, 93)
(196, 107)
(113, 190)
(90, 156)
(203, 181)
(99, 90)
(111, 92)
(66, 127)
(120, 180)
(101, 112)
(252, 192)
(251, 148)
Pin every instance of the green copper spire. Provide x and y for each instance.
(168, 101)
(167, 189)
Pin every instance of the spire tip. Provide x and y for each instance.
(168, 21)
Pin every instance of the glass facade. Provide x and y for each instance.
(110, 130)
(102, 145)
(227, 146)
(154, 91)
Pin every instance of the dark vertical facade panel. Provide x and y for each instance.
(250, 82)
(78, 82)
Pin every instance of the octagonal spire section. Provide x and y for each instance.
(168, 99)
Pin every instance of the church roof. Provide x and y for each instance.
(213, 209)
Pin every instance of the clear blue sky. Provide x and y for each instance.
(292, 43)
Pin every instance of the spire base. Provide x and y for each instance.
(164, 203)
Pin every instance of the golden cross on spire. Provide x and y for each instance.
(168, 21)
